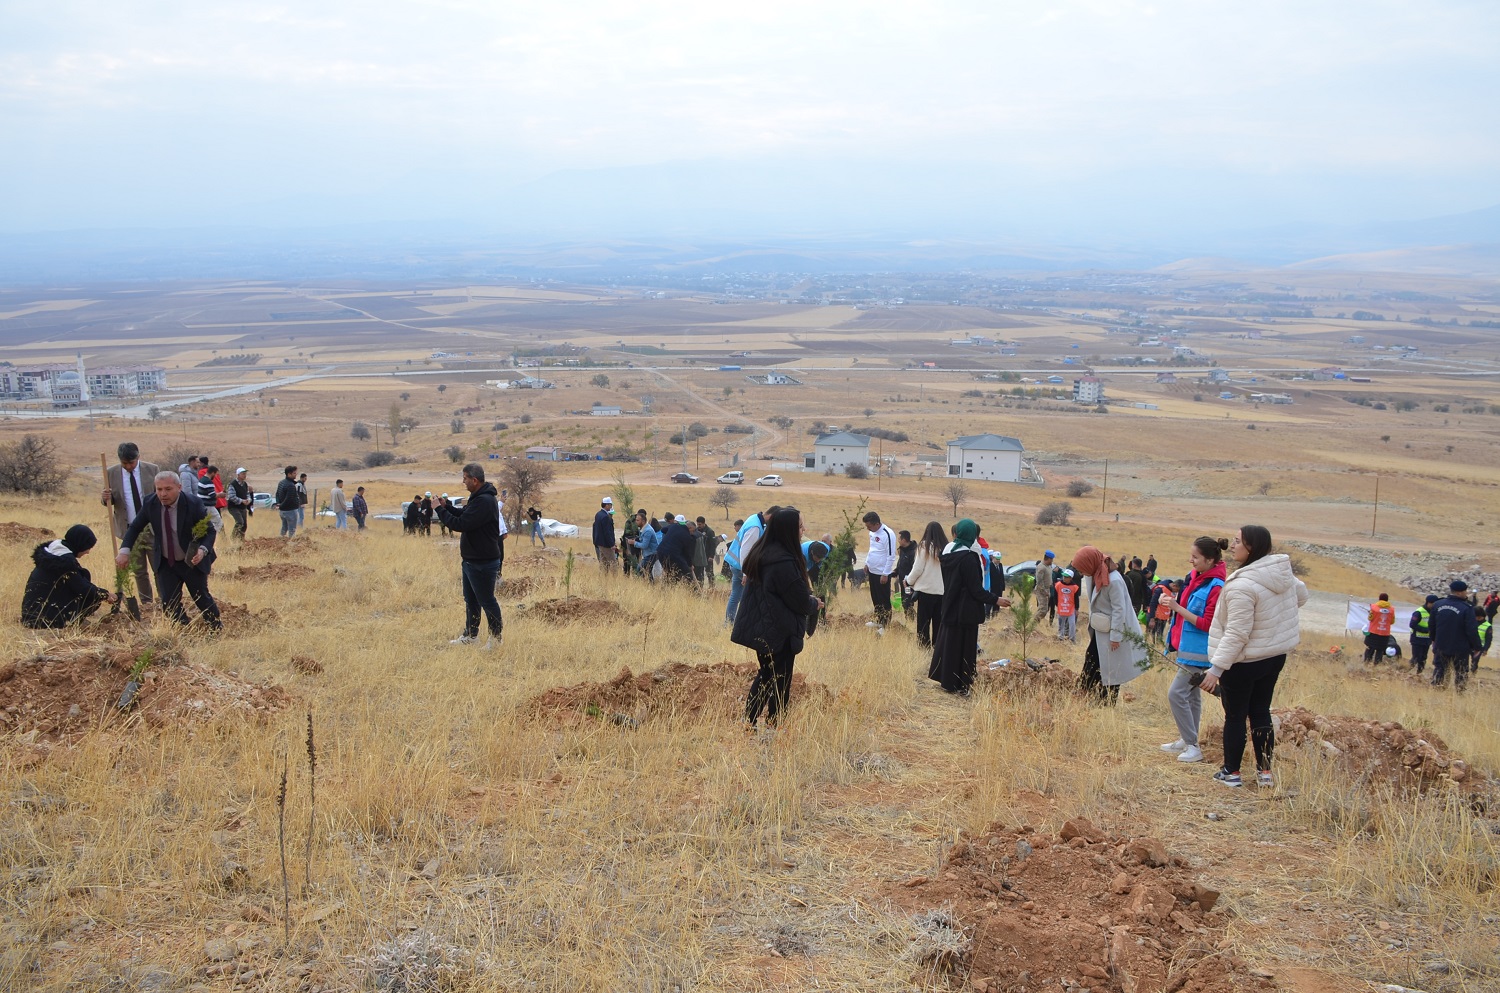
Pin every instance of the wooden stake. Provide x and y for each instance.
(109, 510)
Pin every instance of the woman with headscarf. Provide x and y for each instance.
(965, 601)
(773, 613)
(59, 591)
(926, 581)
(1106, 669)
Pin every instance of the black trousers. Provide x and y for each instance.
(929, 606)
(1093, 679)
(1375, 646)
(880, 598)
(1419, 649)
(771, 690)
(171, 578)
(1460, 665)
(1245, 690)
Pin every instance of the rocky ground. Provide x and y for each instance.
(1420, 572)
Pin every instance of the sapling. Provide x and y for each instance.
(133, 680)
(312, 797)
(1025, 619)
(286, 888)
(568, 575)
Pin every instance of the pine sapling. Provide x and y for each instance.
(312, 798)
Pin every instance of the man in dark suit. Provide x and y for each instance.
(172, 513)
(130, 481)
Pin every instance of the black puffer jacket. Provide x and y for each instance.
(59, 590)
(776, 605)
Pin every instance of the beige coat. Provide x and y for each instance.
(926, 574)
(1256, 617)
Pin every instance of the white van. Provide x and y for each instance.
(732, 478)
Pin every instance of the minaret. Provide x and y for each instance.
(83, 381)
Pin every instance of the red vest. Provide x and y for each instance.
(1064, 599)
(1381, 618)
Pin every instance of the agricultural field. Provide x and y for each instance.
(582, 809)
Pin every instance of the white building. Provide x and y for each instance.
(605, 411)
(840, 449)
(1088, 389)
(985, 456)
(126, 380)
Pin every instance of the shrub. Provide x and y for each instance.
(500, 426)
(525, 418)
(1055, 513)
(1080, 487)
(373, 460)
(359, 432)
(455, 454)
(855, 470)
(456, 425)
(31, 466)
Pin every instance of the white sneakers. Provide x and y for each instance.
(1191, 754)
(463, 639)
(1174, 746)
(489, 643)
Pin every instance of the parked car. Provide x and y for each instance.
(557, 529)
(1028, 568)
(263, 500)
(684, 477)
(733, 478)
(772, 480)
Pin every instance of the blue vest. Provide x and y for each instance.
(1192, 644)
(807, 552)
(732, 556)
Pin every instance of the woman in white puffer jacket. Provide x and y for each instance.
(1254, 627)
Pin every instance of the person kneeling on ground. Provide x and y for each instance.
(59, 591)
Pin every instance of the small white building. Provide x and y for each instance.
(1088, 389)
(986, 456)
(605, 411)
(840, 449)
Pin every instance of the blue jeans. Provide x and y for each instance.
(301, 516)
(341, 519)
(288, 523)
(479, 595)
(736, 590)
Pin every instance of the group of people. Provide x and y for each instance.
(669, 547)
(1456, 630)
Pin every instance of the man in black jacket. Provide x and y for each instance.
(1455, 635)
(675, 553)
(604, 534)
(287, 502)
(478, 527)
(181, 558)
(59, 591)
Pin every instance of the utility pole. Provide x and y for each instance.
(1104, 497)
(684, 448)
(1375, 514)
(879, 462)
(697, 454)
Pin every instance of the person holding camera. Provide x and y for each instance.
(1191, 615)
(478, 527)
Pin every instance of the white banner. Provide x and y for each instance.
(1358, 618)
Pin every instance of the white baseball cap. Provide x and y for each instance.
(607, 500)
(428, 493)
(239, 470)
(445, 496)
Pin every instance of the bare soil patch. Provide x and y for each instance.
(307, 665)
(518, 586)
(75, 685)
(1032, 676)
(577, 609)
(275, 571)
(1079, 909)
(1381, 752)
(239, 619)
(16, 534)
(278, 546)
(548, 556)
(708, 691)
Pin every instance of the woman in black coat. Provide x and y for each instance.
(59, 591)
(773, 615)
(965, 602)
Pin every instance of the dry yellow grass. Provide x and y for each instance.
(557, 855)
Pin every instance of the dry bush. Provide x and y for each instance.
(1056, 513)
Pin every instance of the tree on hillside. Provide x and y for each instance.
(601, 381)
(956, 493)
(393, 421)
(725, 497)
(31, 466)
(359, 431)
(527, 481)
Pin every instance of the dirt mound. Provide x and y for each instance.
(1030, 676)
(275, 571)
(1380, 752)
(13, 533)
(710, 691)
(307, 665)
(75, 685)
(845, 622)
(577, 608)
(278, 546)
(240, 619)
(1035, 911)
(518, 586)
(549, 556)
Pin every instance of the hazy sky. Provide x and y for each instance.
(834, 113)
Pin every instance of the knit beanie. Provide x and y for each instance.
(79, 539)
